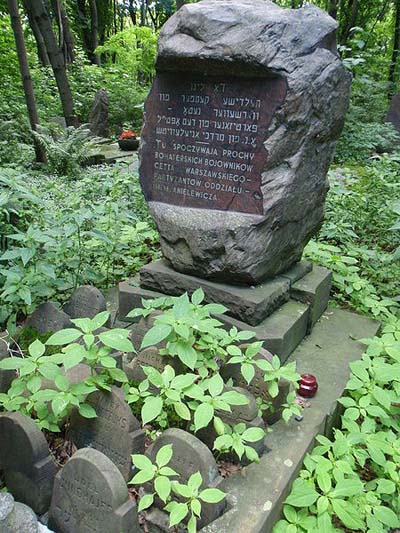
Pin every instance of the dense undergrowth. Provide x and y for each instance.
(352, 482)
(59, 233)
(92, 226)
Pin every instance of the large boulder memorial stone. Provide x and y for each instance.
(90, 495)
(115, 431)
(29, 469)
(240, 129)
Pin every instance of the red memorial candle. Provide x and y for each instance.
(308, 386)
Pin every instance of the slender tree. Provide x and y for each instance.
(66, 40)
(333, 7)
(395, 52)
(94, 31)
(40, 14)
(350, 20)
(40, 44)
(25, 74)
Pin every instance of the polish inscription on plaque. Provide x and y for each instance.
(203, 140)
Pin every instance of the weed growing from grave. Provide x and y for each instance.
(198, 398)
(236, 439)
(274, 372)
(353, 481)
(159, 475)
(190, 332)
(165, 395)
(50, 407)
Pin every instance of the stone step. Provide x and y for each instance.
(281, 332)
(249, 304)
(313, 289)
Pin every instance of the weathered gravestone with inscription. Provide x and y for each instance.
(29, 469)
(90, 496)
(191, 455)
(240, 130)
(115, 431)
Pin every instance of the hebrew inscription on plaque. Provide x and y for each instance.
(203, 140)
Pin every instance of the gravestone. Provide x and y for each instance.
(240, 130)
(258, 387)
(190, 455)
(150, 357)
(115, 431)
(98, 119)
(91, 496)
(47, 317)
(6, 376)
(29, 469)
(85, 302)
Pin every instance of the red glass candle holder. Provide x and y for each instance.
(308, 386)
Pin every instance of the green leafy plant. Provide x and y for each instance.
(163, 393)
(194, 496)
(353, 480)
(159, 475)
(66, 150)
(237, 439)
(76, 234)
(49, 407)
(166, 396)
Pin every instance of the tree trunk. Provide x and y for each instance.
(65, 38)
(94, 31)
(25, 74)
(69, 41)
(395, 53)
(132, 12)
(333, 8)
(41, 47)
(41, 16)
(143, 12)
(350, 22)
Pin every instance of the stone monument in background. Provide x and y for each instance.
(240, 128)
(393, 115)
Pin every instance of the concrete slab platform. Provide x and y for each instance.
(249, 304)
(257, 493)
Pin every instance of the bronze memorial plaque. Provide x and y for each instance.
(203, 140)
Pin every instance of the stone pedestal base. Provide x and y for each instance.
(280, 311)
